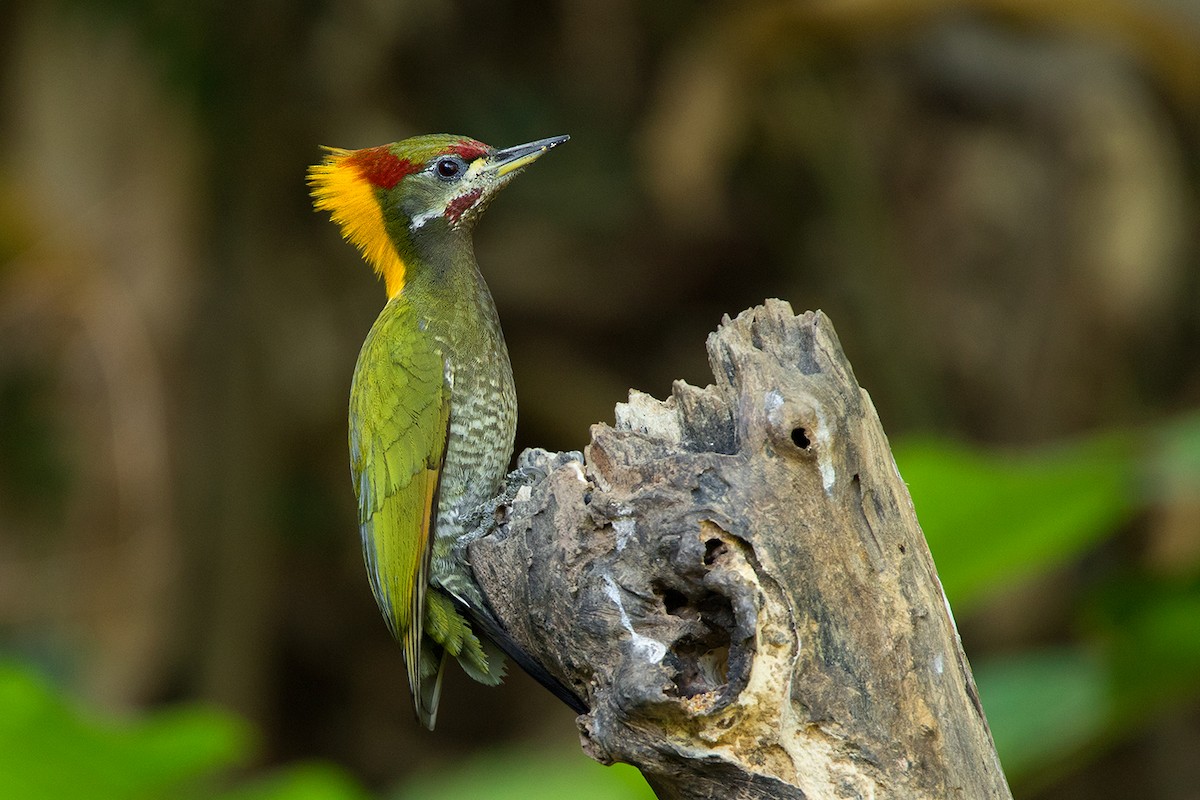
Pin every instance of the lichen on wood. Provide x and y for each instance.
(735, 581)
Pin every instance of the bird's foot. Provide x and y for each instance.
(533, 465)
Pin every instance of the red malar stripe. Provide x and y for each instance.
(461, 204)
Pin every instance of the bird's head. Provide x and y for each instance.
(388, 198)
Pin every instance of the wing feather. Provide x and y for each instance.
(399, 421)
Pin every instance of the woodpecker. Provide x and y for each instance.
(433, 410)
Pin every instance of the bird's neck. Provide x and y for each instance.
(442, 278)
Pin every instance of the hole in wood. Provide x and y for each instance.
(713, 550)
(700, 657)
(674, 601)
(702, 665)
(800, 438)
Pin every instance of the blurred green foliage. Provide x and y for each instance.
(50, 748)
(528, 774)
(992, 517)
(1044, 705)
(995, 520)
(1151, 629)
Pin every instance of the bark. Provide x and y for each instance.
(735, 581)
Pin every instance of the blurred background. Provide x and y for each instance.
(996, 202)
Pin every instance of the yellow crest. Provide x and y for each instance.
(344, 184)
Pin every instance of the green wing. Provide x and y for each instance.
(399, 421)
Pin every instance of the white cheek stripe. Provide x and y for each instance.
(420, 219)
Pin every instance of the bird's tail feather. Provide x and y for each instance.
(494, 631)
(426, 705)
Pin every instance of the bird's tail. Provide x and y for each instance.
(425, 701)
(494, 631)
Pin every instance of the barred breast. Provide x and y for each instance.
(483, 422)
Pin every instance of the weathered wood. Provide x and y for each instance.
(736, 582)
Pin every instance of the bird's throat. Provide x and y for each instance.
(440, 268)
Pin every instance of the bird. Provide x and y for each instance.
(433, 408)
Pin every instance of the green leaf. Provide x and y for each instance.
(304, 782)
(529, 774)
(48, 749)
(1152, 628)
(1044, 705)
(1174, 468)
(994, 518)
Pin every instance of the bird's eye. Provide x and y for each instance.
(448, 168)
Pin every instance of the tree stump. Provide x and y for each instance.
(736, 582)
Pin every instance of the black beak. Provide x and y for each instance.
(509, 160)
